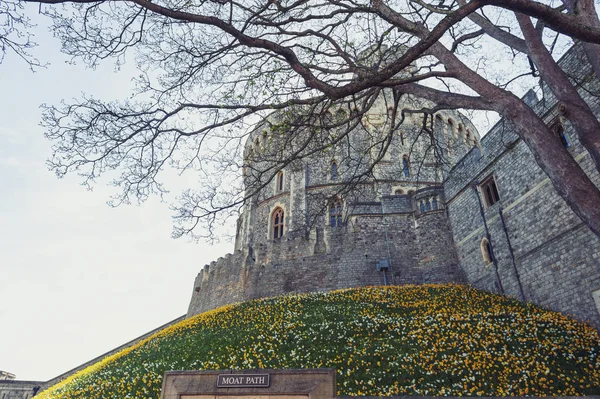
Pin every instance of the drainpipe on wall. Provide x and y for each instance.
(387, 243)
(512, 254)
(488, 236)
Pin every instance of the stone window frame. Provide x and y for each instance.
(489, 191)
(429, 204)
(335, 212)
(486, 250)
(398, 191)
(279, 182)
(453, 127)
(406, 165)
(333, 175)
(277, 226)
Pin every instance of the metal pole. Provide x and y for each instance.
(387, 243)
(512, 254)
(488, 236)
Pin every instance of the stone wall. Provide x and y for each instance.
(15, 389)
(543, 252)
(418, 246)
(392, 212)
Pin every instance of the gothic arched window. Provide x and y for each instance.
(334, 170)
(279, 182)
(406, 166)
(427, 205)
(277, 223)
(398, 192)
(435, 203)
(486, 250)
(422, 206)
(335, 212)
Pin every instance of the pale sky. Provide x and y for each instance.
(77, 278)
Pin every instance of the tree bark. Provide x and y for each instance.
(567, 177)
(586, 10)
(578, 111)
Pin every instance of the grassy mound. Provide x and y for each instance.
(422, 340)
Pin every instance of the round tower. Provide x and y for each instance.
(339, 197)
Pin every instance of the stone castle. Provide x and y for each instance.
(442, 205)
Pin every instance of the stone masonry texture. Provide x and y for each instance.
(426, 217)
(543, 253)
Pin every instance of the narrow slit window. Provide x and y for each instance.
(279, 182)
(490, 191)
(334, 170)
(406, 166)
(486, 251)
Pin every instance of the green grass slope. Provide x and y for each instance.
(421, 340)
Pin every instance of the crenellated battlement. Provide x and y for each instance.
(422, 213)
(329, 257)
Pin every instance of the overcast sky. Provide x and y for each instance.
(77, 278)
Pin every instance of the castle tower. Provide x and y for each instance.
(319, 216)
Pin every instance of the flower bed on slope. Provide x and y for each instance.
(415, 340)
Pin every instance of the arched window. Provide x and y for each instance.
(335, 212)
(427, 205)
(277, 223)
(439, 124)
(486, 250)
(490, 191)
(451, 129)
(422, 206)
(406, 166)
(434, 203)
(334, 170)
(279, 182)
(398, 192)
